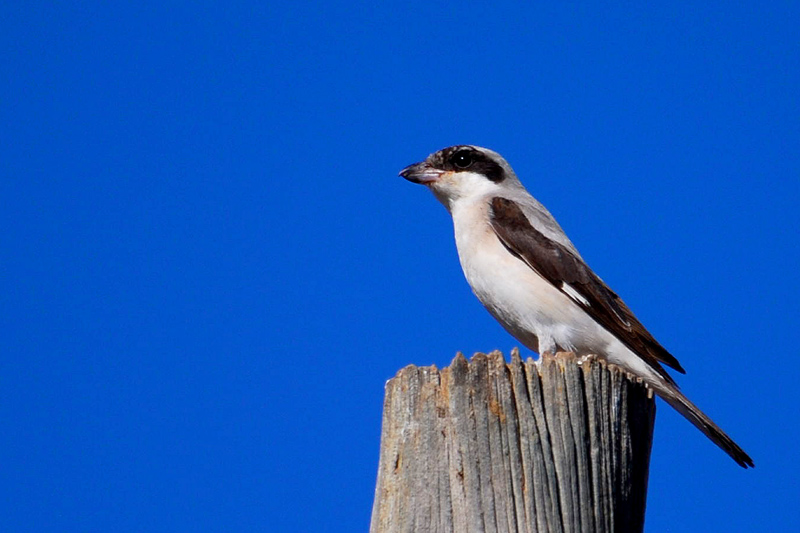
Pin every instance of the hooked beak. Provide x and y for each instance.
(421, 173)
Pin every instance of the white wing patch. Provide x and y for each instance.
(570, 291)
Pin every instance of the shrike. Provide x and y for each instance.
(529, 276)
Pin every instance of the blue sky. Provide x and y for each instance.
(210, 267)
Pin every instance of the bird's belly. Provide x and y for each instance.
(528, 306)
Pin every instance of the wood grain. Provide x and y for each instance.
(490, 446)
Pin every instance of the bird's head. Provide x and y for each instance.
(462, 171)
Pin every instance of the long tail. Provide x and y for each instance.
(673, 396)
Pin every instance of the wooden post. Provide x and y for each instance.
(485, 445)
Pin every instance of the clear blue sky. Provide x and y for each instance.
(210, 267)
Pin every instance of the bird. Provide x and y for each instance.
(530, 277)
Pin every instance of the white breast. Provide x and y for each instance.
(538, 314)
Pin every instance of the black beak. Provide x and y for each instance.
(421, 173)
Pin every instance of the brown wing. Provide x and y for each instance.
(558, 265)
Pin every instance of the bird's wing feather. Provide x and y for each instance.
(573, 277)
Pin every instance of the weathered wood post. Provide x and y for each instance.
(485, 445)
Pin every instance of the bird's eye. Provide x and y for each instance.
(462, 159)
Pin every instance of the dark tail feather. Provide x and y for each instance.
(693, 414)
